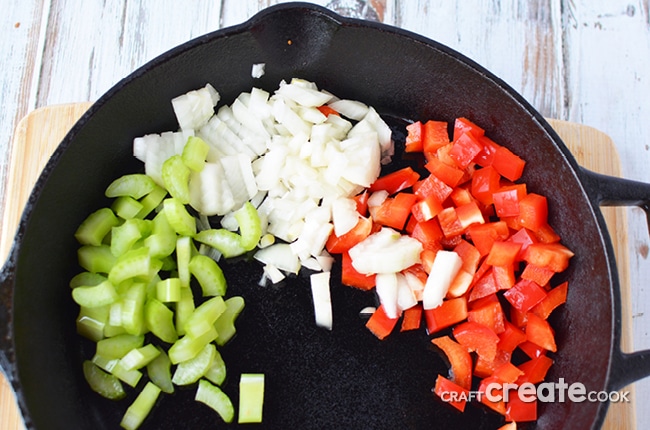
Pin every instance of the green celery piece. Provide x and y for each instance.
(162, 241)
(140, 408)
(204, 316)
(216, 399)
(189, 371)
(118, 346)
(133, 308)
(250, 226)
(188, 347)
(159, 371)
(168, 290)
(96, 259)
(134, 185)
(138, 358)
(151, 286)
(184, 310)
(86, 279)
(251, 398)
(126, 207)
(183, 257)
(115, 315)
(151, 201)
(217, 371)
(225, 241)
(99, 295)
(92, 321)
(124, 236)
(179, 218)
(168, 263)
(133, 264)
(159, 319)
(194, 153)
(112, 331)
(176, 177)
(96, 226)
(130, 377)
(103, 383)
(209, 274)
(225, 324)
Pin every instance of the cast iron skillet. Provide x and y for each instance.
(315, 379)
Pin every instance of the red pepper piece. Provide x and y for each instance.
(450, 393)
(380, 324)
(435, 135)
(524, 295)
(539, 332)
(414, 137)
(450, 312)
(554, 298)
(338, 244)
(459, 359)
(478, 338)
(412, 318)
(396, 181)
(508, 164)
(352, 278)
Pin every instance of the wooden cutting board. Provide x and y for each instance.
(38, 134)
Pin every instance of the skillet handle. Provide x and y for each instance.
(7, 281)
(612, 191)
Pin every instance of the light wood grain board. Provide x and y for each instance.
(38, 134)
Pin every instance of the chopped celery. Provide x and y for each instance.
(91, 322)
(188, 347)
(96, 259)
(162, 241)
(209, 275)
(250, 226)
(124, 236)
(112, 331)
(130, 377)
(176, 177)
(133, 264)
(137, 358)
(96, 226)
(184, 309)
(103, 383)
(251, 398)
(135, 185)
(133, 309)
(208, 312)
(216, 399)
(179, 218)
(99, 295)
(141, 406)
(152, 200)
(225, 241)
(189, 371)
(216, 373)
(169, 290)
(118, 346)
(159, 371)
(126, 207)
(86, 279)
(183, 257)
(225, 324)
(159, 319)
(194, 153)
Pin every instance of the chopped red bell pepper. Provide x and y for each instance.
(361, 200)
(450, 175)
(503, 253)
(426, 209)
(412, 318)
(394, 211)
(483, 236)
(352, 278)
(459, 359)
(380, 324)
(339, 244)
(524, 295)
(464, 149)
(488, 311)
(553, 256)
(432, 186)
(450, 312)
(327, 110)
(539, 332)
(554, 298)
(414, 137)
(478, 338)
(395, 181)
(531, 350)
(429, 234)
(506, 199)
(435, 136)
(509, 165)
(539, 275)
(485, 182)
(464, 125)
(518, 410)
(533, 211)
(451, 393)
(497, 406)
(511, 337)
(534, 369)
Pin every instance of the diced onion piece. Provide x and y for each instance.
(344, 215)
(350, 108)
(444, 269)
(194, 109)
(320, 290)
(386, 251)
(406, 298)
(281, 256)
(386, 286)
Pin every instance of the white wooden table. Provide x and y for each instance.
(586, 61)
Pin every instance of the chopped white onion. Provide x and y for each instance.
(386, 251)
(257, 71)
(445, 266)
(320, 290)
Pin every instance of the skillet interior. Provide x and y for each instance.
(316, 379)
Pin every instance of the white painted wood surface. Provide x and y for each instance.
(586, 61)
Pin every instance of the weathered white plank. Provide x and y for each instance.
(21, 26)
